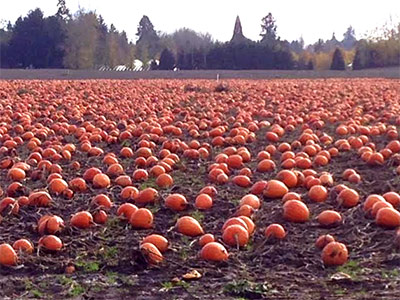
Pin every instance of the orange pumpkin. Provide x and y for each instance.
(189, 226)
(126, 210)
(392, 197)
(209, 190)
(57, 185)
(275, 231)
(203, 201)
(258, 187)
(295, 211)
(10, 203)
(334, 254)
(275, 189)
(251, 200)
(151, 252)
(100, 217)
(23, 245)
(289, 178)
(102, 200)
(8, 256)
(348, 198)
(249, 223)
(318, 193)
(370, 201)
(242, 180)
(142, 218)
(176, 202)
(157, 240)
(206, 238)
(39, 199)
(235, 235)
(235, 221)
(101, 181)
(51, 242)
(214, 251)
(388, 217)
(16, 174)
(329, 218)
(148, 195)
(82, 219)
(324, 240)
(245, 210)
(129, 193)
(164, 180)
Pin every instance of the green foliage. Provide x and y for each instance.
(36, 293)
(167, 60)
(268, 30)
(310, 65)
(338, 60)
(88, 266)
(198, 215)
(81, 41)
(168, 285)
(84, 41)
(76, 290)
(388, 274)
(148, 43)
(63, 11)
(381, 51)
(243, 287)
(35, 41)
(351, 268)
(349, 39)
(250, 56)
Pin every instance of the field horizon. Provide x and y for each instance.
(67, 74)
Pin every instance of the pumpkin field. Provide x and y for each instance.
(197, 189)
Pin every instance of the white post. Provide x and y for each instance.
(217, 77)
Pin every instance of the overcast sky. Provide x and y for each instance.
(311, 19)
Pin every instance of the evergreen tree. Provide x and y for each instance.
(349, 39)
(358, 62)
(319, 46)
(28, 45)
(101, 52)
(331, 44)
(297, 46)
(63, 11)
(81, 41)
(5, 36)
(310, 65)
(148, 43)
(56, 34)
(338, 60)
(167, 60)
(268, 30)
(191, 48)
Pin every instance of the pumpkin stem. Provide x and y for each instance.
(237, 241)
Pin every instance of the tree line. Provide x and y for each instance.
(84, 41)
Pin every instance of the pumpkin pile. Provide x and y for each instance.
(197, 177)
